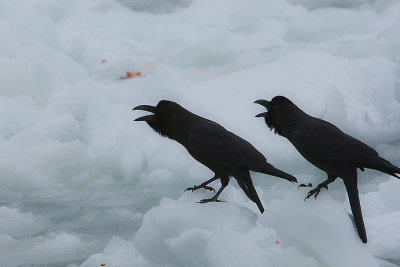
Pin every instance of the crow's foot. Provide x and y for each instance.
(315, 192)
(210, 200)
(305, 185)
(200, 186)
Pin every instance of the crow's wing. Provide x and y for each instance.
(213, 145)
(320, 140)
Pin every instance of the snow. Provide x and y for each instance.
(81, 184)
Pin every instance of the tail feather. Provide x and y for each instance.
(384, 166)
(271, 170)
(352, 192)
(247, 186)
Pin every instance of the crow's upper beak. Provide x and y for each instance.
(263, 102)
(146, 108)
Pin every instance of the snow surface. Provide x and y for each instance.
(81, 184)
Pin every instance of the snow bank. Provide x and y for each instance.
(43, 249)
(186, 233)
(117, 253)
(76, 172)
(23, 223)
(290, 233)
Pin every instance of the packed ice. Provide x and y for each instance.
(81, 184)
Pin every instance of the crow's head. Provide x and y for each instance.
(278, 110)
(168, 118)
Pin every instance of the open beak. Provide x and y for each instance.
(264, 103)
(146, 108)
(264, 114)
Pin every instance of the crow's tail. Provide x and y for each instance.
(351, 186)
(245, 182)
(271, 170)
(381, 164)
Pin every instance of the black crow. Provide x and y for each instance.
(223, 152)
(326, 147)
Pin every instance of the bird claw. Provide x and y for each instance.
(198, 187)
(209, 200)
(305, 185)
(191, 188)
(209, 188)
(314, 192)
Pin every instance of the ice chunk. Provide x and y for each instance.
(321, 227)
(119, 253)
(18, 224)
(187, 233)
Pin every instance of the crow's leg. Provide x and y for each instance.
(316, 190)
(203, 185)
(224, 183)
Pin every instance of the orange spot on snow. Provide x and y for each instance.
(130, 75)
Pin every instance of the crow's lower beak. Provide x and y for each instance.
(145, 118)
(146, 108)
(263, 102)
(264, 114)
